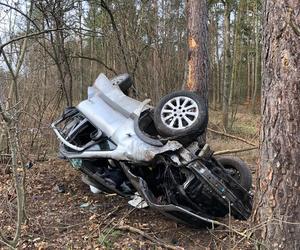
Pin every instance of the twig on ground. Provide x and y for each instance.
(114, 226)
(5, 242)
(231, 136)
(192, 240)
(113, 212)
(231, 151)
(245, 235)
(215, 238)
(147, 236)
(255, 136)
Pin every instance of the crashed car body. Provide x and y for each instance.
(127, 147)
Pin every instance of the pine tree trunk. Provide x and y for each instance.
(248, 74)
(278, 192)
(198, 57)
(257, 60)
(80, 51)
(219, 69)
(248, 98)
(225, 106)
(217, 94)
(236, 55)
(198, 61)
(213, 28)
(92, 49)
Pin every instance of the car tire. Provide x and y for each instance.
(181, 113)
(238, 169)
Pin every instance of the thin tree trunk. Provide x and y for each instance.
(218, 65)
(236, 54)
(10, 115)
(225, 106)
(80, 52)
(234, 58)
(13, 95)
(92, 45)
(212, 29)
(257, 59)
(248, 73)
(252, 76)
(248, 97)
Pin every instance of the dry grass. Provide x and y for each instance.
(246, 126)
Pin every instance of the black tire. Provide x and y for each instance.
(123, 81)
(238, 170)
(199, 119)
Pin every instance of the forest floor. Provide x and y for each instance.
(78, 219)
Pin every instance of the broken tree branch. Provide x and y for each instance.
(231, 136)
(231, 151)
(149, 237)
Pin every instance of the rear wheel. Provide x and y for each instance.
(237, 169)
(180, 113)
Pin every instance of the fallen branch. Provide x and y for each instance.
(231, 136)
(147, 236)
(231, 151)
(5, 242)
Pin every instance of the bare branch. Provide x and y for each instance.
(232, 136)
(16, 39)
(231, 151)
(98, 61)
(20, 12)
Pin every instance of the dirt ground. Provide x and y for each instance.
(63, 214)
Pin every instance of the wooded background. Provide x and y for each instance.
(147, 39)
(52, 50)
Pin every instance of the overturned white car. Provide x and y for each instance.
(126, 146)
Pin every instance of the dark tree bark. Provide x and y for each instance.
(198, 59)
(278, 192)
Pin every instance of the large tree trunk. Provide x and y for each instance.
(198, 61)
(278, 193)
(198, 58)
